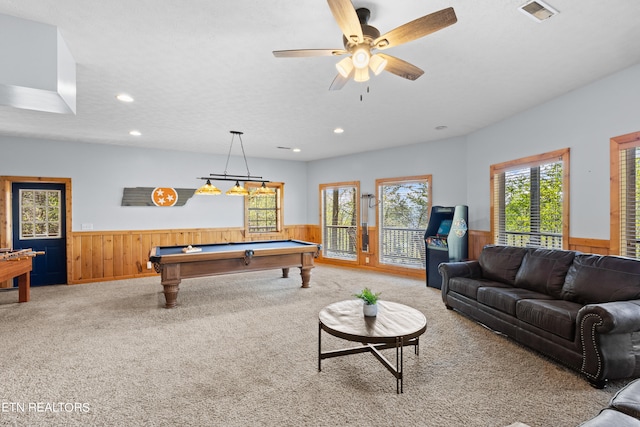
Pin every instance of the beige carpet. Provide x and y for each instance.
(241, 350)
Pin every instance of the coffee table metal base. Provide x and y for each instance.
(374, 349)
(395, 327)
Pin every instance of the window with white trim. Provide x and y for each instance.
(40, 214)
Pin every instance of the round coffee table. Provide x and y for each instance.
(395, 326)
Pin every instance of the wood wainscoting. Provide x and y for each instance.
(113, 255)
(590, 246)
(478, 239)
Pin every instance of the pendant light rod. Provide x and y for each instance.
(227, 177)
(231, 177)
(234, 133)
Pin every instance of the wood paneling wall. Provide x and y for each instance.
(478, 239)
(590, 246)
(113, 255)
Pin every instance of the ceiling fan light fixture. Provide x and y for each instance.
(361, 57)
(377, 64)
(361, 75)
(345, 67)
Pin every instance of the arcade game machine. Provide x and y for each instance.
(446, 239)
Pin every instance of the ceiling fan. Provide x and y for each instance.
(361, 41)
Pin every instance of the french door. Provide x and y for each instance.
(39, 223)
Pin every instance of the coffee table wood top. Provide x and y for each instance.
(394, 321)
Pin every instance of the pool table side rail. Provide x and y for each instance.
(231, 252)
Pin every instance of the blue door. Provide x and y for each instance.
(38, 211)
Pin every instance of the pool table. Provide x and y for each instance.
(175, 263)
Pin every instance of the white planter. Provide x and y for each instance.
(370, 310)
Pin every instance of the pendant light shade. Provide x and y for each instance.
(263, 190)
(237, 190)
(208, 189)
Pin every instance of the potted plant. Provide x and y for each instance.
(370, 307)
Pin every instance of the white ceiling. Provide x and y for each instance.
(201, 68)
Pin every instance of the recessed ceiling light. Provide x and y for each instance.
(338, 130)
(296, 150)
(135, 133)
(124, 97)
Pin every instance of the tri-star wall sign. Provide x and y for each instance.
(156, 196)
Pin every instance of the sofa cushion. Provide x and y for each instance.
(469, 287)
(627, 399)
(555, 316)
(505, 299)
(544, 270)
(611, 418)
(598, 278)
(501, 263)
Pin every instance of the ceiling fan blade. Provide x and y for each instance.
(401, 68)
(417, 28)
(339, 82)
(296, 53)
(347, 19)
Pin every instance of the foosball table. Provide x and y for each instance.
(18, 264)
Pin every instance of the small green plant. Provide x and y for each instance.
(368, 296)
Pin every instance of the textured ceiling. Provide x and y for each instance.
(200, 68)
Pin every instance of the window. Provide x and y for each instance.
(403, 214)
(530, 201)
(339, 212)
(263, 214)
(625, 194)
(40, 214)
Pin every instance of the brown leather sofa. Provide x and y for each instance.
(623, 409)
(582, 310)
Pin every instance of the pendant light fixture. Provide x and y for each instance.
(209, 189)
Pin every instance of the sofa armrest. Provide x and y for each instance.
(610, 334)
(448, 270)
(616, 317)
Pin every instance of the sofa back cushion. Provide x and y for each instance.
(501, 263)
(598, 278)
(544, 270)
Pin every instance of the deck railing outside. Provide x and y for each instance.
(403, 246)
(340, 241)
(399, 246)
(522, 239)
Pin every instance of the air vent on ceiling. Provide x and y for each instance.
(538, 10)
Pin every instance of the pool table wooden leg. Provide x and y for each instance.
(285, 272)
(170, 276)
(305, 273)
(171, 294)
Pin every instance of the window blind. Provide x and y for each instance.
(629, 196)
(528, 203)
